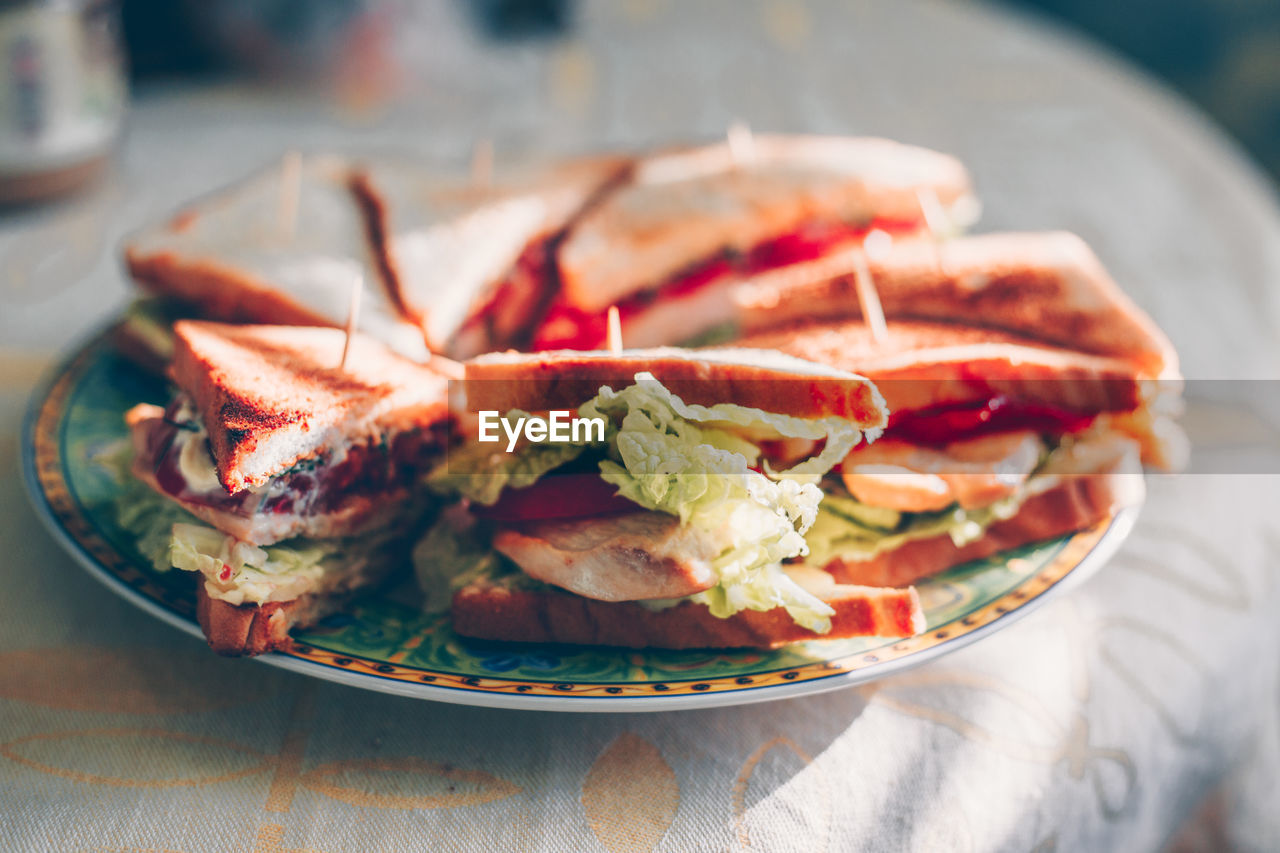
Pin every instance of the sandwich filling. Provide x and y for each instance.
(325, 495)
(701, 503)
(238, 572)
(895, 492)
(567, 326)
(945, 424)
(901, 492)
(503, 313)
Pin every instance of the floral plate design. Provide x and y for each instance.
(384, 643)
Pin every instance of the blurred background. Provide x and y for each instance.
(1222, 54)
(73, 63)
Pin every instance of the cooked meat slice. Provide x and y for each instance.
(973, 473)
(897, 487)
(1081, 485)
(630, 557)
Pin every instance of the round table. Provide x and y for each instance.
(1102, 722)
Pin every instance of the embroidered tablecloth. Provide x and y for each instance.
(1104, 721)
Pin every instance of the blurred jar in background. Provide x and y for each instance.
(63, 94)
(341, 47)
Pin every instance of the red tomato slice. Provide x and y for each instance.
(690, 282)
(580, 495)
(945, 424)
(566, 327)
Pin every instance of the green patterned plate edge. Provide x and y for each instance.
(504, 675)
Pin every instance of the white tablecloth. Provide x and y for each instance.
(1101, 722)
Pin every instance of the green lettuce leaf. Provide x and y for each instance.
(451, 555)
(848, 528)
(481, 471)
(150, 518)
(274, 573)
(837, 533)
(689, 461)
(725, 420)
(169, 537)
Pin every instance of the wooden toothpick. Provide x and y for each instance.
(869, 299)
(353, 316)
(741, 143)
(936, 220)
(935, 216)
(482, 163)
(613, 331)
(290, 189)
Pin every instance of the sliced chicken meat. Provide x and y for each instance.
(630, 557)
(973, 473)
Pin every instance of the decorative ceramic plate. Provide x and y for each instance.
(383, 642)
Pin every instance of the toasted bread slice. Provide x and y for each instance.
(1046, 287)
(922, 364)
(1101, 479)
(271, 396)
(144, 335)
(685, 207)
(445, 246)
(277, 247)
(237, 630)
(772, 381)
(251, 621)
(255, 629)
(512, 612)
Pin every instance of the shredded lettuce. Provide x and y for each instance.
(450, 556)
(481, 471)
(170, 537)
(693, 462)
(149, 518)
(649, 397)
(848, 528)
(698, 463)
(834, 535)
(258, 575)
(837, 533)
